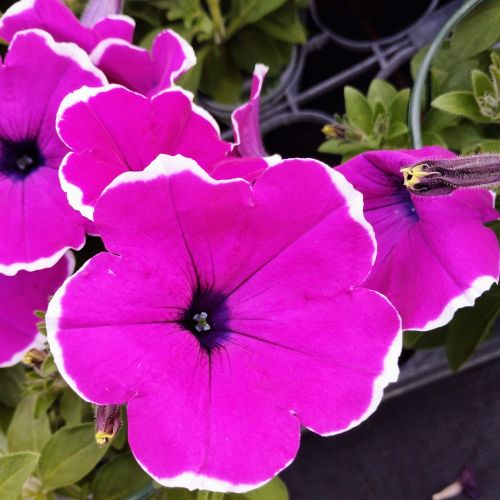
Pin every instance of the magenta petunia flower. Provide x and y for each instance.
(112, 130)
(434, 253)
(232, 317)
(21, 295)
(146, 72)
(58, 20)
(245, 119)
(38, 225)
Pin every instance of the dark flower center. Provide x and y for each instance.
(206, 318)
(18, 159)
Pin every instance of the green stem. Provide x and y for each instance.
(414, 121)
(202, 495)
(217, 20)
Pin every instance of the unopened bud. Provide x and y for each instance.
(334, 131)
(442, 176)
(107, 423)
(35, 358)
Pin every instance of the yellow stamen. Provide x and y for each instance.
(413, 174)
(102, 438)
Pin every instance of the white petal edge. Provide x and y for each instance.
(73, 193)
(65, 49)
(39, 340)
(465, 299)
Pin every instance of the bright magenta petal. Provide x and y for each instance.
(113, 130)
(21, 295)
(434, 253)
(232, 316)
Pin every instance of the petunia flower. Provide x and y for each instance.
(57, 19)
(108, 40)
(21, 295)
(37, 223)
(227, 316)
(434, 253)
(146, 72)
(112, 130)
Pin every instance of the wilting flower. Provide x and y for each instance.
(38, 225)
(245, 119)
(58, 20)
(435, 177)
(434, 253)
(232, 317)
(107, 423)
(146, 72)
(21, 295)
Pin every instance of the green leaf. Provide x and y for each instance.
(359, 111)
(397, 129)
(337, 147)
(220, 78)
(10, 385)
(48, 366)
(487, 146)
(381, 91)
(470, 326)
(424, 340)
(70, 454)
(398, 109)
(71, 407)
(481, 84)
(459, 103)
(460, 138)
(27, 433)
(478, 31)
(245, 12)
(284, 24)
(436, 120)
(273, 490)
(251, 46)
(433, 139)
(44, 401)
(15, 469)
(120, 478)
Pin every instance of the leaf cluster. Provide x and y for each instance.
(229, 37)
(48, 448)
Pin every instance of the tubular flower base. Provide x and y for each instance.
(231, 318)
(443, 176)
(434, 253)
(20, 296)
(37, 225)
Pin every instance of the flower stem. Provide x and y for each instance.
(414, 121)
(217, 20)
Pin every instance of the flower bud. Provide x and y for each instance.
(442, 176)
(107, 423)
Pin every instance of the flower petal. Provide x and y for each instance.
(20, 296)
(434, 255)
(54, 17)
(245, 119)
(146, 72)
(112, 130)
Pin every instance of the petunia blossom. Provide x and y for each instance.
(145, 71)
(57, 19)
(434, 253)
(112, 130)
(21, 295)
(233, 316)
(37, 223)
